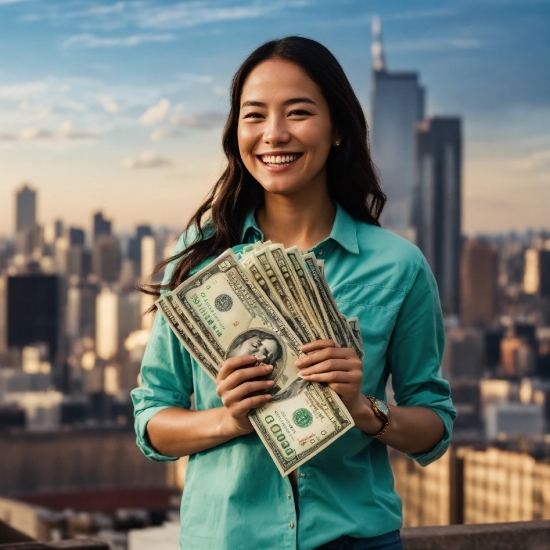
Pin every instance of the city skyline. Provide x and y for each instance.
(104, 104)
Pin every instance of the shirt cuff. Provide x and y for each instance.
(142, 419)
(439, 450)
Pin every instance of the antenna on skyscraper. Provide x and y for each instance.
(377, 50)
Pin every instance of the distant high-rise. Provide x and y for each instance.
(25, 210)
(107, 258)
(102, 226)
(438, 203)
(35, 311)
(397, 106)
(134, 244)
(479, 282)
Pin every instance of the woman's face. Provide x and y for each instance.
(285, 132)
(265, 350)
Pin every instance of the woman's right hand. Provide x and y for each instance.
(234, 384)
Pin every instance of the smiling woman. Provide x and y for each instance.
(299, 173)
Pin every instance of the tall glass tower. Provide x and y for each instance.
(397, 106)
(25, 208)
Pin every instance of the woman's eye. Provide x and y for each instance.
(299, 112)
(252, 115)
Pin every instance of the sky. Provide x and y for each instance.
(119, 105)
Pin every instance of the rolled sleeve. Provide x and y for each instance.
(415, 353)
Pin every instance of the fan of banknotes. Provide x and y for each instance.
(267, 302)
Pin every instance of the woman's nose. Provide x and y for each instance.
(276, 131)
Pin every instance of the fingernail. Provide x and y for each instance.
(268, 367)
(270, 382)
(298, 363)
(302, 375)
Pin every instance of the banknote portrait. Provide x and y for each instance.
(263, 345)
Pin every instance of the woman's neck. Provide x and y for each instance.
(296, 222)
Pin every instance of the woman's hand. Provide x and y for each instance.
(235, 383)
(339, 367)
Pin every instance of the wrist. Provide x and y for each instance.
(364, 417)
(229, 427)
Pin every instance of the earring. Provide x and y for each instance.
(337, 143)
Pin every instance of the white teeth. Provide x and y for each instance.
(279, 159)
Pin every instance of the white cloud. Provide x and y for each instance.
(43, 114)
(147, 159)
(7, 137)
(87, 40)
(68, 131)
(35, 134)
(156, 113)
(19, 92)
(535, 162)
(110, 105)
(205, 120)
(198, 78)
(5, 2)
(161, 134)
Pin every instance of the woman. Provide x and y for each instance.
(299, 173)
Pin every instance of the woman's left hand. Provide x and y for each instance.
(339, 367)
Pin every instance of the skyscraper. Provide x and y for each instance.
(35, 311)
(107, 258)
(102, 226)
(397, 106)
(438, 203)
(25, 209)
(479, 281)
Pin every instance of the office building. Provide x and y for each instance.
(117, 315)
(76, 236)
(438, 203)
(35, 312)
(25, 208)
(397, 106)
(134, 245)
(479, 283)
(464, 353)
(102, 226)
(107, 258)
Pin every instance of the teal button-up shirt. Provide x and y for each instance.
(234, 497)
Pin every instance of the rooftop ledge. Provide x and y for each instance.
(531, 535)
(521, 535)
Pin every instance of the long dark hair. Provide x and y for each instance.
(352, 181)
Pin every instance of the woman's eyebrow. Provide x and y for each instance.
(286, 102)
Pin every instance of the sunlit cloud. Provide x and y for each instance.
(110, 105)
(35, 134)
(162, 134)
(538, 161)
(87, 40)
(204, 121)
(68, 131)
(147, 159)
(156, 113)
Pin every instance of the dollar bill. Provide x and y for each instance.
(279, 255)
(202, 358)
(229, 309)
(299, 423)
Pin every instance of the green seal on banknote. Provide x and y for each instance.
(302, 418)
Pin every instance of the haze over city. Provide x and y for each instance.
(119, 105)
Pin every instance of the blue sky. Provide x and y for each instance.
(119, 105)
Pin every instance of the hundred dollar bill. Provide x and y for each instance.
(267, 264)
(299, 423)
(230, 311)
(202, 358)
(278, 253)
(353, 323)
(327, 301)
(310, 291)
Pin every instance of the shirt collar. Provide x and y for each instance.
(344, 230)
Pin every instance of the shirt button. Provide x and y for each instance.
(320, 252)
(288, 495)
(303, 474)
(291, 524)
